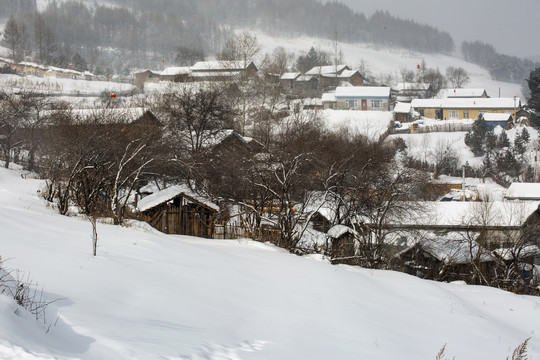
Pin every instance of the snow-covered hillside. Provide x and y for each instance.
(152, 296)
(383, 61)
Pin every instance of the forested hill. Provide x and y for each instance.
(142, 31)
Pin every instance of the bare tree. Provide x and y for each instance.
(13, 110)
(457, 76)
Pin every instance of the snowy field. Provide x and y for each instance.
(62, 86)
(152, 296)
(371, 124)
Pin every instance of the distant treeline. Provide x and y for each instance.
(501, 67)
(138, 33)
(307, 17)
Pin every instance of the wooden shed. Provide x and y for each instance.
(179, 210)
(344, 244)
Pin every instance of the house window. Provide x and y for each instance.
(376, 104)
(453, 114)
(465, 114)
(351, 104)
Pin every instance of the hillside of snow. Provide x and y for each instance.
(382, 61)
(153, 296)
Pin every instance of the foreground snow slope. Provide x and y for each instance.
(151, 296)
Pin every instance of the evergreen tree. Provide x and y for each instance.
(520, 142)
(476, 137)
(310, 60)
(502, 140)
(534, 100)
(11, 38)
(79, 63)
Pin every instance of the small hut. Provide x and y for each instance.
(343, 245)
(179, 210)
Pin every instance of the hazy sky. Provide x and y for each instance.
(511, 26)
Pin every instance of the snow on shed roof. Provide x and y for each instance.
(362, 91)
(328, 69)
(468, 103)
(465, 93)
(176, 70)
(402, 108)
(497, 117)
(524, 191)
(328, 97)
(452, 248)
(290, 76)
(172, 192)
(220, 65)
(339, 230)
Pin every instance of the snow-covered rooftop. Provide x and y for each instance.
(176, 70)
(290, 76)
(453, 247)
(524, 191)
(464, 93)
(402, 108)
(328, 97)
(170, 193)
(339, 230)
(220, 65)
(362, 91)
(496, 117)
(470, 103)
(328, 69)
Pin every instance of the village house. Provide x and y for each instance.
(179, 210)
(175, 73)
(143, 76)
(445, 256)
(363, 98)
(222, 70)
(307, 84)
(495, 119)
(287, 80)
(464, 108)
(404, 112)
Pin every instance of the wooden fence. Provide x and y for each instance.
(228, 231)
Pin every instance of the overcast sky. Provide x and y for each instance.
(511, 26)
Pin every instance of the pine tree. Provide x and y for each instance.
(534, 100)
(11, 37)
(502, 140)
(476, 137)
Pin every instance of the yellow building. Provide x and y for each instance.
(464, 108)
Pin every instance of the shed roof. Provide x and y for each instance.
(452, 248)
(328, 69)
(497, 117)
(290, 76)
(402, 108)
(172, 192)
(338, 231)
(176, 70)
